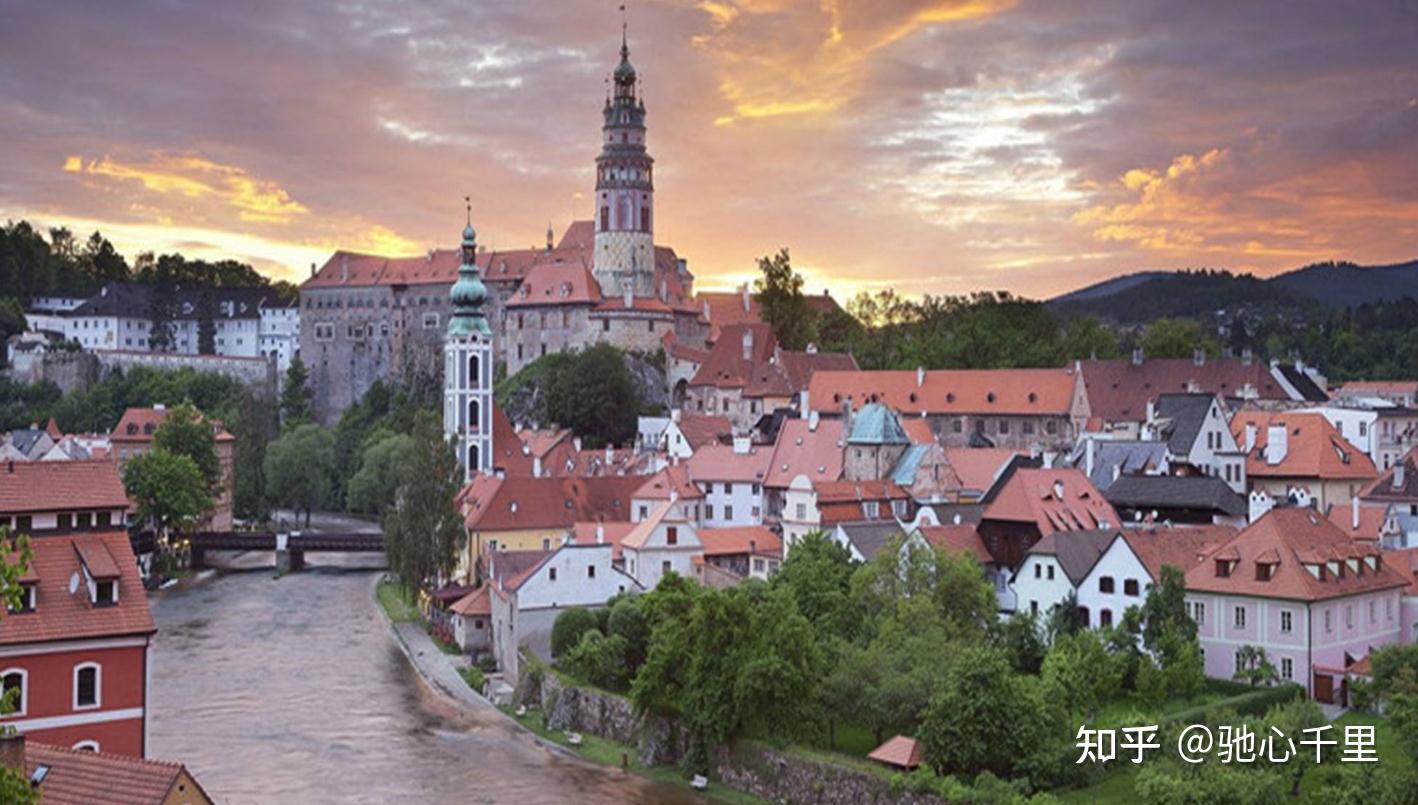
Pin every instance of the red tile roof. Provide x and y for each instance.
(957, 539)
(947, 391)
(1052, 499)
(568, 283)
(43, 486)
(62, 615)
(1371, 521)
(767, 371)
(137, 425)
(511, 569)
(584, 533)
(1293, 537)
(1182, 547)
(742, 307)
(1119, 390)
(918, 429)
(719, 462)
(500, 504)
(978, 467)
(1314, 449)
(738, 540)
(97, 778)
(1383, 487)
(701, 430)
(803, 451)
(674, 478)
(508, 452)
(842, 501)
(900, 751)
(476, 602)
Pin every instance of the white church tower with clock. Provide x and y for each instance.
(468, 366)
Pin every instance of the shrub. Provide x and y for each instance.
(1254, 702)
(569, 627)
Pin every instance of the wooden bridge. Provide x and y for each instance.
(290, 548)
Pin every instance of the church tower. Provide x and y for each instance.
(467, 366)
(625, 192)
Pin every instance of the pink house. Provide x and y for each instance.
(1296, 586)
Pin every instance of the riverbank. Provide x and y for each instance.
(440, 672)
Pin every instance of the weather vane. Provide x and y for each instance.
(468, 200)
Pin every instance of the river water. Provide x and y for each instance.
(294, 690)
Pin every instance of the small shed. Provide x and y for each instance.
(899, 752)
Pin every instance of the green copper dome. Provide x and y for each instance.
(468, 293)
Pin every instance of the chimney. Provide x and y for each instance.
(1277, 443)
(706, 310)
(812, 420)
(629, 294)
(576, 443)
(312, 270)
(1136, 356)
(1246, 356)
(600, 532)
(536, 466)
(1354, 516)
(159, 407)
(1059, 490)
(747, 298)
(1398, 473)
(741, 445)
(609, 453)
(1260, 503)
(12, 752)
(675, 415)
(1088, 450)
(1250, 437)
(752, 547)
(920, 376)
(1199, 356)
(748, 344)
(803, 404)
(1151, 411)
(344, 268)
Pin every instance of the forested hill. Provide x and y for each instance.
(1138, 298)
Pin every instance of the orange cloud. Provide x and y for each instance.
(195, 178)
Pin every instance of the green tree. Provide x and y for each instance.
(1253, 666)
(423, 530)
(567, 629)
(595, 397)
(14, 561)
(169, 490)
(254, 428)
(781, 302)
(1081, 673)
(1021, 638)
(206, 323)
(1165, 609)
(298, 467)
(12, 318)
(1293, 718)
(627, 620)
(295, 393)
(1174, 338)
(1086, 337)
(817, 573)
(386, 466)
(186, 433)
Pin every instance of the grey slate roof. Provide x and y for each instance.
(134, 300)
(1187, 413)
(1128, 457)
(1302, 383)
(1199, 492)
(1077, 551)
(869, 536)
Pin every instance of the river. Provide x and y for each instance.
(294, 690)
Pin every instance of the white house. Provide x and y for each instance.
(1055, 566)
(530, 588)
(279, 332)
(1198, 435)
(665, 540)
(1132, 562)
(731, 478)
(1357, 425)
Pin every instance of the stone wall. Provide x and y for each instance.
(780, 777)
(658, 741)
(258, 374)
(70, 371)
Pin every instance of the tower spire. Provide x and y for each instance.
(469, 292)
(624, 42)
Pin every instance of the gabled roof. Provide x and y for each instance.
(643, 530)
(62, 615)
(719, 462)
(870, 536)
(78, 777)
(742, 307)
(1384, 488)
(947, 391)
(1302, 383)
(133, 300)
(1076, 551)
(1117, 457)
(508, 452)
(1053, 500)
(763, 370)
(978, 467)
(42, 486)
(804, 450)
(900, 751)
(1119, 390)
(957, 539)
(585, 533)
(139, 424)
(876, 424)
(1182, 547)
(511, 569)
(500, 504)
(1314, 449)
(701, 430)
(740, 540)
(477, 602)
(1292, 538)
(1186, 414)
(1197, 492)
(557, 283)
(674, 478)
(1373, 521)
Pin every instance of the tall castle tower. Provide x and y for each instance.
(467, 365)
(625, 192)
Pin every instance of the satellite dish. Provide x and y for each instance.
(73, 583)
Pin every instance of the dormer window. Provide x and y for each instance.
(105, 593)
(1264, 571)
(1223, 568)
(29, 596)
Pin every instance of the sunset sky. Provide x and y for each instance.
(937, 147)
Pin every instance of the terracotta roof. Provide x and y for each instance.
(1054, 500)
(1314, 449)
(639, 304)
(568, 283)
(584, 533)
(578, 235)
(640, 534)
(1182, 547)
(1380, 387)
(719, 462)
(137, 425)
(803, 451)
(439, 266)
(672, 478)
(61, 615)
(508, 452)
(842, 501)
(1405, 562)
(1383, 488)
(541, 442)
(957, 539)
(767, 370)
(1297, 536)
(742, 307)
(702, 430)
(1371, 521)
(98, 778)
(918, 429)
(1119, 390)
(900, 751)
(978, 467)
(477, 602)
(947, 391)
(735, 541)
(500, 504)
(511, 569)
(41, 486)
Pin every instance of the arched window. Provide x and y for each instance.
(474, 377)
(624, 220)
(88, 686)
(605, 217)
(474, 420)
(86, 746)
(645, 219)
(17, 679)
(473, 458)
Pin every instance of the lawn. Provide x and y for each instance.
(610, 753)
(473, 677)
(396, 606)
(853, 739)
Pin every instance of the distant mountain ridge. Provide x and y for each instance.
(1148, 294)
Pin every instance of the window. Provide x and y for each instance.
(430, 321)
(665, 567)
(1038, 571)
(1373, 613)
(709, 511)
(27, 599)
(1199, 613)
(1105, 618)
(728, 512)
(1130, 587)
(1287, 668)
(672, 535)
(1240, 619)
(324, 331)
(86, 746)
(590, 571)
(106, 593)
(1004, 426)
(104, 519)
(66, 521)
(87, 678)
(1051, 572)
(802, 511)
(551, 574)
(898, 508)
(1349, 617)
(1105, 584)
(1329, 620)
(17, 679)
(872, 509)
(1286, 624)
(1034, 607)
